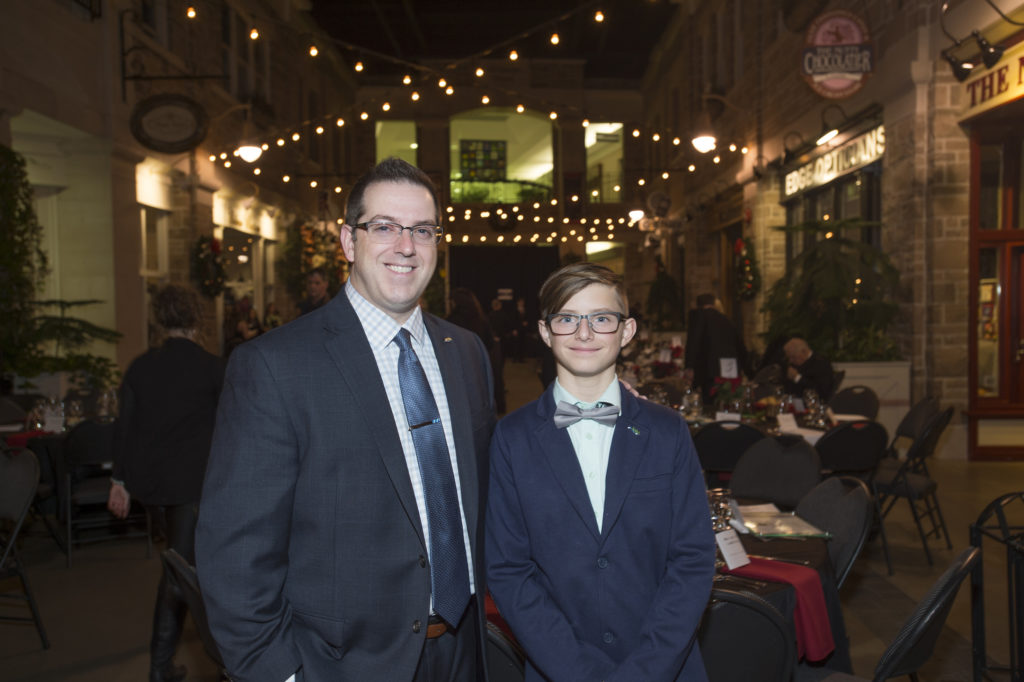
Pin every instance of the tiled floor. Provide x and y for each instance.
(98, 612)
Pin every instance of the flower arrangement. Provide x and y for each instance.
(207, 267)
(725, 391)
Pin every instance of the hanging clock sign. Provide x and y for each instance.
(838, 56)
(169, 123)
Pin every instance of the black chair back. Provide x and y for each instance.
(853, 447)
(742, 637)
(184, 575)
(777, 472)
(856, 400)
(915, 642)
(19, 478)
(506, 661)
(917, 417)
(843, 506)
(720, 444)
(924, 446)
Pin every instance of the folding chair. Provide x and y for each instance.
(19, 476)
(910, 479)
(843, 506)
(719, 446)
(859, 400)
(742, 638)
(770, 471)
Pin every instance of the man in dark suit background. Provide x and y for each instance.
(317, 546)
(714, 347)
(807, 369)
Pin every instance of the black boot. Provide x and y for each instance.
(168, 621)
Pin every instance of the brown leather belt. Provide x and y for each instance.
(436, 627)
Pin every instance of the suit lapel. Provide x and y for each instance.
(450, 364)
(561, 457)
(628, 448)
(346, 343)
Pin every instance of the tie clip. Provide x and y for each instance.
(436, 420)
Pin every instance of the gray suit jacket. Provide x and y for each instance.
(309, 546)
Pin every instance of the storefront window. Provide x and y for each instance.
(855, 195)
(500, 156)
(604, 162)
(990, 196)
(989, 292)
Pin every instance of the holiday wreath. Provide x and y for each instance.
(207, 268)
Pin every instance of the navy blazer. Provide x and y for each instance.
(620, 604)
(309, 547)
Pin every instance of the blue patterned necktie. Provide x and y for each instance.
(449, 572)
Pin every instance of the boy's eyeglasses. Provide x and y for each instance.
(387, 232)
(563, 324)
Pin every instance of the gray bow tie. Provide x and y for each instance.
(567, 414)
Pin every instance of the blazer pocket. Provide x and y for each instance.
(651, 483)
(330, 630)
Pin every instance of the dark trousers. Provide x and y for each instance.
(178, 524)
(455, 656)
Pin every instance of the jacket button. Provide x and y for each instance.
(608, 638)
(423, 561)
(416, 626)
(602, 563)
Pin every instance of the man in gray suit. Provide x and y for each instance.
(323, 546)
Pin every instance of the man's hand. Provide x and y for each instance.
(119, 501)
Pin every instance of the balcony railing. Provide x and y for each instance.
(498, 191)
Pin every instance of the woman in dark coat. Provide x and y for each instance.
(162, 441)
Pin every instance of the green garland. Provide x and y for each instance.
(748, 277)
(207, 268)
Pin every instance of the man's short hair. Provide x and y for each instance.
(705, 300)
(565, 283)
(391, 169)
(177, 307)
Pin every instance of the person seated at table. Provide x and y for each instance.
(807, 369)
(599, 546)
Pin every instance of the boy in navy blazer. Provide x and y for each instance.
(599, 546)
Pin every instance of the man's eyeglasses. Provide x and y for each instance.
(387, 232)
(563, 324)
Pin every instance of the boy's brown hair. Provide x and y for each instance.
(565, 283)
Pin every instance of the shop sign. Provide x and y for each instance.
(857, 153)
(169, 123)
(837, 56)
(994, 87)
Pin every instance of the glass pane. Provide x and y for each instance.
(849, 200)
(990, 211)
(603, 142)
(396, 138)
(989, 291)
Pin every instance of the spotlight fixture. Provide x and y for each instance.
(961, 69)
(790, 151)
(990, 54)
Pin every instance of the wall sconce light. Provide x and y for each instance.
(704, 139)
(827, 131)
(790, 147)
(961, 69)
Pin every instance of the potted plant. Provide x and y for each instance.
(838, 294)
(34, 340)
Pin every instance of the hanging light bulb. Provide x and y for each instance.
(599, 16)
(386, 106)
(441, 82)
(319, 130)
(449, 90)
(520, 108)
(406, 79)
(554, 39)
(485, 100)
(358, 66)
(415, 96)
(513, 55)
(254, 34)
(479, 72)
(249, 152)
(553, 115)
(340, 122)
(190, 12)
(313, 51)
(586, 122)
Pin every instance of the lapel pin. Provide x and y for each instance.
(636, 431)
(447, 339)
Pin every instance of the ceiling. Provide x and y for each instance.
(416, 30)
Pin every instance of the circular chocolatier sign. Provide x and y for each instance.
(838, 56)
(169, 123)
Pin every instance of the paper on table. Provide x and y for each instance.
(767, 507)
(781, 524)
(726, 417)
(787, 424)
(848, 417)
(731, 548)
